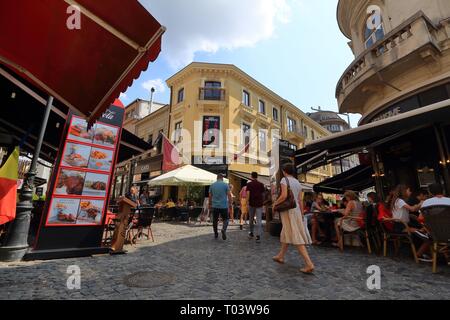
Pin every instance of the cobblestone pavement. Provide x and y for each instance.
(186, 262)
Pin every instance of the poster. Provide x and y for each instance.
(211, 132)
(82, 184)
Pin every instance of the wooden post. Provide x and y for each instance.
(125, 206)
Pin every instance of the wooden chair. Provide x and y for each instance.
(437, 222)
(359, 232)
(398, 238)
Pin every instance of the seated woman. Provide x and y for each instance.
(401, 210)
(353, 210)
(318, 206)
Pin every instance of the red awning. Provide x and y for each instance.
(84, 68)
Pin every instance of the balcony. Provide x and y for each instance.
(211, 94)
(247, 113)
(404, 48)
(295, 134)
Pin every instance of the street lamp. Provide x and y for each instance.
(152, 91)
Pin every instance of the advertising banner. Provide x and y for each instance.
(79, 192)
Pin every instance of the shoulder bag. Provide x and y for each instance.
(289, 203)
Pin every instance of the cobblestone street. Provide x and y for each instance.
(186, 262)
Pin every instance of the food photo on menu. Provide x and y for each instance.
(78, 131)
(70, 182)
(95, 185)
(76, 155)
(105, 135)
(90, 212)
(63, 211)
(100, 159)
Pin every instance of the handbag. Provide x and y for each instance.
(289, 203)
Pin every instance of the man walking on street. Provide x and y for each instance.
(219, 203)
(255, 196)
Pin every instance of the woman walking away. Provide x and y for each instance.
(293, 231)
(244, 206)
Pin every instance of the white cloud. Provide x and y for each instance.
(209, 25)
(123, 97)
(158, 84)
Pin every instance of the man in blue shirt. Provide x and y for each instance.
(220, 202)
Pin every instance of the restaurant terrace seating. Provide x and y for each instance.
(437, 221)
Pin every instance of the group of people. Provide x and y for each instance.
(253, 199)
(400, 213)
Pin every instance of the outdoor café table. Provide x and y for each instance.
(328, 218)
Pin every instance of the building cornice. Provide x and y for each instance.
(247, 80)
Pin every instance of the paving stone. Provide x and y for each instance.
(205, 268)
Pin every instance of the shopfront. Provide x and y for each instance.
(410, 148)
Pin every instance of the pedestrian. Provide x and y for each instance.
(244, 206)
(232, 204)
(255, 196)
(219, 203)
(293, 231)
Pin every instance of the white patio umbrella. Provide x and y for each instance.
(186, 176)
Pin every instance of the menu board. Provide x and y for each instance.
(84, 175)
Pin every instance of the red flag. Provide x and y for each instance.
(171, 156)
(8, 188)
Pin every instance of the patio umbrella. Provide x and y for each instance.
(186, 176)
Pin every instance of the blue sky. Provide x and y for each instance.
(294, 47)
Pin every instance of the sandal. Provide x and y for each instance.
(307, 270)
(278, 260)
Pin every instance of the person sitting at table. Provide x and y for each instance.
(143, 199)
(181, 203)
(401, 210)
(318, 206)
(170, 204)
(353, 210)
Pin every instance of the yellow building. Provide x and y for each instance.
(219, 113)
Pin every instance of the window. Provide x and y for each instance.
(292, 147)
(246, 98)
(262, 141)
(305, 131)
(181, 95)
(275, 114)
(313, 135)
(292, 125)
(246, 132)
(150, 139)
(178, 128)
(262, 107)
(213, 91)
(213, 84)
(373, 26)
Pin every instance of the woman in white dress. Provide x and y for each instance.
(294, 231)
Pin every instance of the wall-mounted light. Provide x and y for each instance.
(13, 95)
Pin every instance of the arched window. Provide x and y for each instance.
(373, 28)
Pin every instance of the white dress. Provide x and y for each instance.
(295, 229)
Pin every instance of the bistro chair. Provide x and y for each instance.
(360, 232)
(145, 222)
(109, 229)
(437, 222)
(397, 238)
